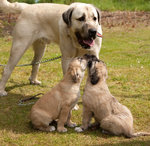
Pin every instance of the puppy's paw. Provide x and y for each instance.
(78, 129)
(52, 128)
(62, 129)
(34, 82)
(71, 125)
(105, 132)
(3, 93)
(76, 107)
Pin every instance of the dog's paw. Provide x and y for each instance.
(52, 128)
(105, 132)
(78, 129)
(71, 125)
(62, 129)
(76, 107)
(35, 82)
(3, 93)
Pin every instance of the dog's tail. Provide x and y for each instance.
(139, 134)
(12, 7)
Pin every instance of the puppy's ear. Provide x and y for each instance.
(75, 76)
(94, 78)
(67, 16)
(99, 15)
(94, 58)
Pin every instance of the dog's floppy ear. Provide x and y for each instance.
(75, 76)
(99, 15)
(67, 16)
(94, 78)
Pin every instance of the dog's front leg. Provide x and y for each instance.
(63, 119)
(87, 115)
(69, 122)
(19, 46)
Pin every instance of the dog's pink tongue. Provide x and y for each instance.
(89, 42)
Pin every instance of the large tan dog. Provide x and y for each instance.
(113, 117)
(57, 103)
(73, 27)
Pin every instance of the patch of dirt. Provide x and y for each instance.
(7, 22)
(125, 19)
(109, 19)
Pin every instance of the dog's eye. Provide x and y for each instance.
(94, 18)
(81, 18)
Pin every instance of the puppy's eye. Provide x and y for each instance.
(81, 18)
(94, 18)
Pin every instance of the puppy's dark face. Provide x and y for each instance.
(97, 70)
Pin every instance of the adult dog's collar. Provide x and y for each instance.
(99, 35)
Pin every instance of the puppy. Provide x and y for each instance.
(113, 117)
(57, 103)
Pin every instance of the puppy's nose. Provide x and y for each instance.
(92, 33)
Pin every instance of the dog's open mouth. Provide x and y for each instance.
(85, 42)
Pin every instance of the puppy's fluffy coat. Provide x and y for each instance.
(112, 116)
(57, 103)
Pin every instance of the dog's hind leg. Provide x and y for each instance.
(44, 126)
(39, 48)
(41, 120)
(116, 125)
(63, 117)
(19, 46)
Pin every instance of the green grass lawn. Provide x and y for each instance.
(126, 52)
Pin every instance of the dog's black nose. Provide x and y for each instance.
(92, 33)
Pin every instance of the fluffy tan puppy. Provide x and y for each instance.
(58, 103)
(113, 117)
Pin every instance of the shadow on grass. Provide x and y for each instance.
(14, 117)
(17, 86)
(118, 140)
